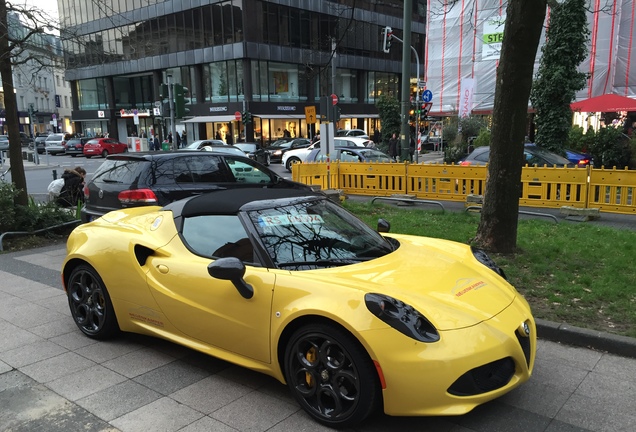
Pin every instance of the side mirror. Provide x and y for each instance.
(231, 269)
(383, 225)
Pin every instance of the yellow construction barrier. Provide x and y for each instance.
(613, 190)
(609, 190)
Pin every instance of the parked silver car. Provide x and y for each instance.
(56, 143)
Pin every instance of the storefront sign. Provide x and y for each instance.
(218, 109)
(131, 112)
(286, 108)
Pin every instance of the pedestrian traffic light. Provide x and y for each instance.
(179, 101)
(387, 33)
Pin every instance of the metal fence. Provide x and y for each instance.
(609, 190)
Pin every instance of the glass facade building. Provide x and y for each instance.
(270, 57)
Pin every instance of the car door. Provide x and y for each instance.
(205, 308)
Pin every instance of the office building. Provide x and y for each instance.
(269, 57)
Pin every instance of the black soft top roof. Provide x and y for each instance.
(230, 201)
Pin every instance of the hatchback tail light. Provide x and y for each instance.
(137, 196)
(584, 162)
(86, 192)
(464, 163)
(63, 143)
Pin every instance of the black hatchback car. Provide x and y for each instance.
(158, 178)
(75, 146)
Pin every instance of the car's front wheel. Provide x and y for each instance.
(331, 375)
(292, 160)
(90, 303)
(105, 154)
(268, 160)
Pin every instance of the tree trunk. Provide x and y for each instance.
(497, 231)
(11, 109)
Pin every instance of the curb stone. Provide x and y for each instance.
(564, 333)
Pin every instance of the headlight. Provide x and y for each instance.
(277, 153)
(401, 317)
(483, 258)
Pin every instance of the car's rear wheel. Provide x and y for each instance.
(73, 155)
(90, 303)
(268, 160)
(88, 157)
(331, 375)
(292, 160)
(105, 153)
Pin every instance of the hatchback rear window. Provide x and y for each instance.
(119, 171)
(55, 137)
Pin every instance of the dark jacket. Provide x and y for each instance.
(393, 147)
(73, 190)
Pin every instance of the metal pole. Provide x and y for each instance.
(173, 127)
(418, 105)
(406, 80)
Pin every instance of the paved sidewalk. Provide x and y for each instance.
(52, 378)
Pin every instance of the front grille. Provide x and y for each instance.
(484, 378)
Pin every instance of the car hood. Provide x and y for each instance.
(439, 278)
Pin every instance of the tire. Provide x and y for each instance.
(292, 160)
(125, 150)
(268, 160)
(105, 154)
(73, 155)
(331, 375)
(90, 304)
(88, 157)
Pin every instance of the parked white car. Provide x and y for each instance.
(300, 155)
(352, 133)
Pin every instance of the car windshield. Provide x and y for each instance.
(551, 158)
(246, 147)
(371, 155)
(316, 234)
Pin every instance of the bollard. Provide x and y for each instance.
(54, 174)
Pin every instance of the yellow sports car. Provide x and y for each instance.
(290, 284)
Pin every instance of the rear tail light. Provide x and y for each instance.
(63, 143)
(137, 196)
(584, 162)
(86, 193)
(464, 163)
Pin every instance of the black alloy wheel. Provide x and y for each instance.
(331, 375)
(90, 304)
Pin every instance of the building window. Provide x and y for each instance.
(91, 94)
(22, 107)
(66, 102)
(57, 77)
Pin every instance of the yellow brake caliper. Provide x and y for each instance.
(311, 358)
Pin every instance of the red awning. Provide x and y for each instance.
(605, 103)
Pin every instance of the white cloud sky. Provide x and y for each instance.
(48, 6)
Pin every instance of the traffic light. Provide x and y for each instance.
(336, 113)
(179, 101)
(387, 33)
(163, 91)
(246, 117)
(424, 110)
